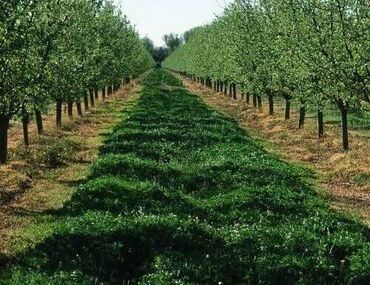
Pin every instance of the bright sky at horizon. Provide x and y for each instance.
(154, 18)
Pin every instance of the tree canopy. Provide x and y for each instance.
(56, 50)
(315, 52)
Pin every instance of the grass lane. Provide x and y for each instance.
(182, 195)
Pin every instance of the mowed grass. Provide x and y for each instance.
(182, 195)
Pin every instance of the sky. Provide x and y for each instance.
(154, 18)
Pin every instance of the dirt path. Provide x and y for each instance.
(29, 188)
(343, 176)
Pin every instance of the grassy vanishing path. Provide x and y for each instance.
(181, 195)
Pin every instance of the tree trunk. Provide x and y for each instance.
(254, 100)
(345, 138)
(79, 107)
(302, 116)
(96, 94)
(231, 90)
(271, 103)
(242, 96)
(287, 108)
(70, 109)
(4, 127)
(320, 124)
(86, 101)
(39, 122)
(225, 87)
(25, 124)
(103, 93)
(59, 113)
(248, 98)
(234, 92)
(92, 98)
(259, 102)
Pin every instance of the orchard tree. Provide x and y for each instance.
(16, 21)
(56, 50)
(314, 52)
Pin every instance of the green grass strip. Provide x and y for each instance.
(182, 195)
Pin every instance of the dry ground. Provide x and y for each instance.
(30, 188)
(344, 176)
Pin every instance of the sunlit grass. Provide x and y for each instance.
(182, 195)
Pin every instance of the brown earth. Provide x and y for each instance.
(30, 188)
(343, 176)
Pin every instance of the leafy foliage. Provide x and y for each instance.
(313, 51)
(56, 50)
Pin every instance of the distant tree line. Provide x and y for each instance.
(172, 42)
